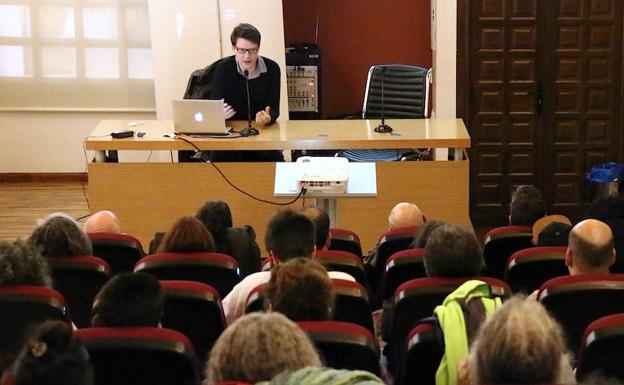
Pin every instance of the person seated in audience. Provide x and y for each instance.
(258, 347)
(526, 207)
(452, 251)
(59, 235)
(321, 223)
(129, 299)
(519, 344)
(301, 290)
(402, 215)
(237, 242)
(551, 230)
(21, 263)
(52, 356)
(104, 221)
(424, 232)
(590, 248)
(289, 235)
(610, 210)
(314, 375)
(187, 235)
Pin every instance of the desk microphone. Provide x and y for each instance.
(383, 127)
(249, 130)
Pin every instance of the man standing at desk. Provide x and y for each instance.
(229, 84)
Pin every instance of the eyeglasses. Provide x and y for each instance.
(251, 51)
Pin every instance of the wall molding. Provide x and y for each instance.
(43, 177)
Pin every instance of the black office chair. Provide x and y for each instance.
(405, 96)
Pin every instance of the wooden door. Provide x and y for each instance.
(542, 98)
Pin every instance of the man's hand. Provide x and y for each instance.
(263, 117)
(228, 110)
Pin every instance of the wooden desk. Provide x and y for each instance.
(148, 197)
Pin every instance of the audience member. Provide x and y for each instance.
(129, 299)
(59, 235)
(289, 235)
(520, 344)
(452, 251)
(187, 235)
(102, 222)
(301, 290)
(321, 223)
(423, 234)
(52, 356)
(22, 264)
(237, 242)
(551, 230)
(313, 375)
(526, 207)
(590, 248)
(610, 210)
(258, 347)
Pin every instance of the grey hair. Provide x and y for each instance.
(22, 264)
(59, 235)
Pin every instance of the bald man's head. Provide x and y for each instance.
(102, 222)
(405, 215)
(590, 248)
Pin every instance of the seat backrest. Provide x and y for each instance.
(528, 269)
(335, 260)
(352, 304)
(602, 348)
(392, 241)
(344, 345)
(24, 307)
(400, 268)
(120, 251)
(215, 269)
(578, 300)
(345, 240)
(424, 348)
(79, 279)
(194, 309)
(405, 91)
(500, 243)
(256, 299)
(129, 356)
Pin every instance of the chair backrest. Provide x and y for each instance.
(528, 269)
(352, 304)
(120, 251)
(578, 300)
(345, 240)
(129, 356)
(79, 279)
(400, 268)
(344, 345)
(405, 91)
(392, 241)
(500, 243)
(194, 309)
(416, 299)
(215, 269)
(602, 348)
(24, 307)
(335, 260)
(424, 348)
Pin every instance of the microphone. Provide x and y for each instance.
(383, 127)
(249, 130)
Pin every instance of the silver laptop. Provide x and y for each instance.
(199, 117)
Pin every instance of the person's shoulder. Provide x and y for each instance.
(226, 63)
(270, 63)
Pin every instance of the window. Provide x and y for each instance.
(75, 55)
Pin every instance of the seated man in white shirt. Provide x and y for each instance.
(289, 235)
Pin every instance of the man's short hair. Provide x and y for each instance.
(217, 218)
(59, 235)
(321, 222)
(420, 241)
(301, 290)
(245, 31)
(290, 235)
(22, 264)
(526, 207)
(590, 254)
(129, 299)
(452, 251)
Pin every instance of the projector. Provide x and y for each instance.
(322, 175)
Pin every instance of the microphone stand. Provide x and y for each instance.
(383, 127)
(249, 130)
